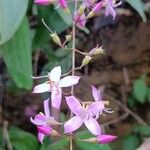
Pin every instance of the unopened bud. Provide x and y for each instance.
(68, 37)
(101, 139)
(81, 10)
(99, 50)
(86, 60)
(90, 14)
(56, 38)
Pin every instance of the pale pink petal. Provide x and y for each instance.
(110, 10)
(46, 108)
(41, 137)
(95, 93)
(74, 105)
(46, 130)
(41, 88)
(73, 124)
(93, 126)
(39, 120)
(55, 74)
(69, 81)
(42, 2)
(56, 97)
(96, 107)
(103, 139)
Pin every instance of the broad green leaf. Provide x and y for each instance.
(22, 140)
(139, 7)
(132, 102)
(59, 145)
(140, 89)
(143, 130)
(17, 56)
(130, 142)
(12, 13)
(55, 19)
(89, 146)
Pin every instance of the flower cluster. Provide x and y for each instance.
(86, 112)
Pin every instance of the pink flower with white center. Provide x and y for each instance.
(44, 122)
(80, 19)
(110, 5)
(99, 106)
(104, 138)
(55, 84)
(43, 2)
(82, 115)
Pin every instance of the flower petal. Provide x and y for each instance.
(55, 74)
(93, 126)
(56, 97)
(103, 139)
(46, 130)
(41, 137)
(69, 81)
(73, 124)
(46, 108)
(96, 107)
(74, 105)
(39, 120)
(41, 88)
(42, 2)
(96, 94)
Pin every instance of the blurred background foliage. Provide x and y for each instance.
(23, 38)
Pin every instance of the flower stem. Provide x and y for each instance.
(70, 138)
(73, 46)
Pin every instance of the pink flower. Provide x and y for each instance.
(43, 2)
(110, 5)
(83, 114)
(44, 122)
(99, 106)
(104, 138)
(55, 84)
(80, 19)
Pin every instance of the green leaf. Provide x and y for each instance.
(89, 146)
(130, 142)
(17, 56)
(139, 7)
(140, 89)
(12, 13)
(143, 130)
(59, 145)
(22, 140)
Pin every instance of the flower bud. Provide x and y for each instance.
(56, 38)
(81, 10)
(63, 4)
(103, 139)
(68, 37)
(86, 60)
(95, 10)
(97, 50)
(44, 2)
